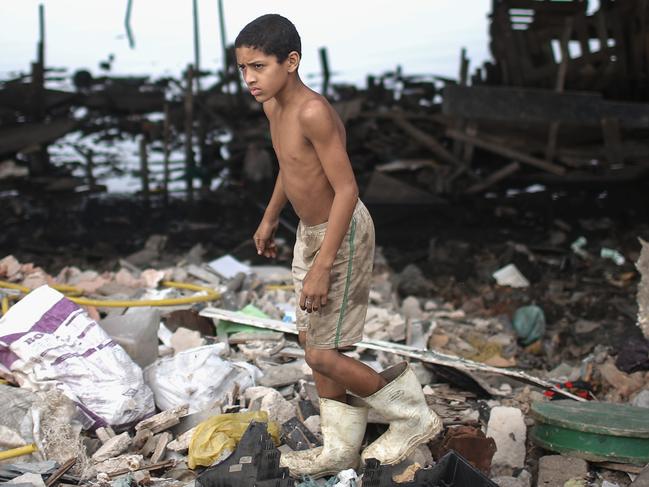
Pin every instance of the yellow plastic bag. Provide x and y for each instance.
(220, 435)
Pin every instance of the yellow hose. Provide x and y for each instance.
(17, 452)
(279, 287)
(211, 295)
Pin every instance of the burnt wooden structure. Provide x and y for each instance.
(608, 50)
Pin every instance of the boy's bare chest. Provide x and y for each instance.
(289, 142)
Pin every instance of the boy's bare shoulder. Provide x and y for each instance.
(315, 110)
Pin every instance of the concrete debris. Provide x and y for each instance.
(507, 428)
(28, 479)
(271, 401)
(186, 339)
(160, 449)
(119, 463)
(643, 289)
(559, 469)
(164, 420)
(181, 444)
(113, 447)
(104, 434)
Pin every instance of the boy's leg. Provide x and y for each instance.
(335, 373)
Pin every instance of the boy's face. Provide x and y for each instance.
(263, 74)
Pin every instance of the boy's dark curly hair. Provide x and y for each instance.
(272, 34)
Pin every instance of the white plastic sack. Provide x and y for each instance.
(48, 342)
(198, 377)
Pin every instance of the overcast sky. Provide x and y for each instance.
(362, 36)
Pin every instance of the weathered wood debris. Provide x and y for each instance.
(564, 100)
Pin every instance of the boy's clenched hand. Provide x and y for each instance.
(264, 238)
(315, 288)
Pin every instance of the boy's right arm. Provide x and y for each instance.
(265, 235)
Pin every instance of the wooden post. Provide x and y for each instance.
(39, 159)
(90, 164)
(127, 24)
(144, 169)
(165, 135)
(324, 64)
(224, 46)
(41, 30)
(88, 156)
(460, 148)
(500, 149)
(553, 134)
(197, 46)
(189, 132)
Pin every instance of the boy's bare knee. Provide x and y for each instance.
(318, 359)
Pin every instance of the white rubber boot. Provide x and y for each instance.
(343, 427)
(402, 403)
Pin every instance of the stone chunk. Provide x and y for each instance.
(164, 420)
(272, 401)
(181, 444)
(112, 465)
(161, 446)
(113, 447)
(142, 477)
(141, 437)
(104, 434)
(28, 478)
(558, 469)
(283, 375)
(507, 428)
(411, 308)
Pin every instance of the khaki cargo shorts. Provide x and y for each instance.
(338, 324)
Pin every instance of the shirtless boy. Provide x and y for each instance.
(332, 260)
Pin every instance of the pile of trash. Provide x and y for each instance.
(103, 391)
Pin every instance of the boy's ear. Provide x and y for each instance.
(293, 61)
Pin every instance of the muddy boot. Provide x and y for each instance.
(343, 428)
(402, 403)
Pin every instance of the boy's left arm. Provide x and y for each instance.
(319, 125)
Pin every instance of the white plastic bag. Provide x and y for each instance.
(198, 377)
(48, 342)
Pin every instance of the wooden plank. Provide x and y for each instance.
(20, 137)
(612, 140)
(539, 105)
(426, 140)
(494, 178)
(507, 152)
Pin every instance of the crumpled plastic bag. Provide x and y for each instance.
(217, 437)
(49, 343)
(529, 324)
